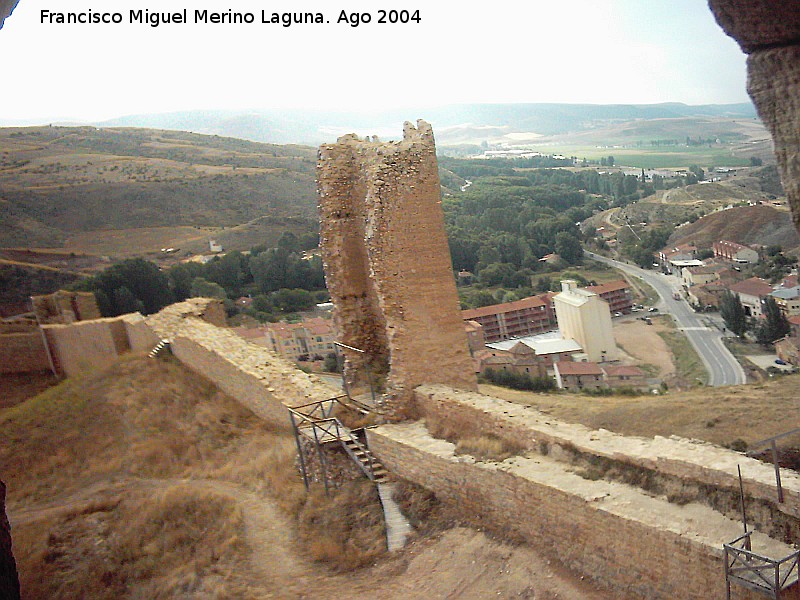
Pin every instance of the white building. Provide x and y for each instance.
(584, 317)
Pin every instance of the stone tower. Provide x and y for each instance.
(387, 264)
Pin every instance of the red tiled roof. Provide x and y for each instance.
(755, 286)
(494, 309)
(611, 286)
(578, 368)
(249, 333)
(732, 245)
(620, 370)
(318, 326)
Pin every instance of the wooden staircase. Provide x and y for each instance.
(315, 422)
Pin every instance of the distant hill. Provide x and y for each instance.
(746, 225)
(60, 182)
(454, 124)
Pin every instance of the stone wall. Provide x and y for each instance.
(769, 32)
(86, 345)
(23, 352)
(677, 467)
(627, 541)
(253, 375)
(388, 265)
(65, 307)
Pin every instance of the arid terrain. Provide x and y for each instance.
(144, 481)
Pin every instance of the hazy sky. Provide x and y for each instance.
(617, 51)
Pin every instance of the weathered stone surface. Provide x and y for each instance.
(758, 24)
(774, 85)
(624, 539)
(770, 33)
(388, 265)
(6, 8)
(9, 580)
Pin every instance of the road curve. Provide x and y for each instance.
(722, 366)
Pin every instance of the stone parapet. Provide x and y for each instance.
(627, 541)
(673, 466)
(253, 375)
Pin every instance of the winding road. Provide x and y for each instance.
(706, 339)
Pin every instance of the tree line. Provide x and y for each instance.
(279, 280)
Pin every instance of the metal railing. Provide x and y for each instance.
(757, 572)
(314, 422)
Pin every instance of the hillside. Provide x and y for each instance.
(746, 225)
(454, 124)
(58, 182)
(144, 481)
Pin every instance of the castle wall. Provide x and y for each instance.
(387, 262)
(674, 466)
(629, 542)
(256, 377)
(86, 345)
(22, 352)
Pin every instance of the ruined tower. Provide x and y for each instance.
(387, 264)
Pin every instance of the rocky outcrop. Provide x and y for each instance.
(9, 580)
(6, 8)
(769, 32)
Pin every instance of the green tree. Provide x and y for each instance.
(132, 285)
(774, 325)
(568, 247)
(207, 289)
(733, 313)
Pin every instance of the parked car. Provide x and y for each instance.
(779, 361)
(652, 309)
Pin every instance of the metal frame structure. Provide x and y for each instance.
(314, 422)
(760, 573)
(774, 447)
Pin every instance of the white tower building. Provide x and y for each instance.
(585, 318)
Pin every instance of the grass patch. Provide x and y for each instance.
(688, 365)
(345, 530)
(488, 448)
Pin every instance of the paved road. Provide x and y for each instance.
(703, 331)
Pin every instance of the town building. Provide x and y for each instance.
(617, 293)
(520, 358)
(702, 274)
(788, 300)
(751, 293)
(513, 319)
(579, 376)
(677, 256)
(311, 339)
(551, 347)
(735, 252)
(625, 376)
(584, 317)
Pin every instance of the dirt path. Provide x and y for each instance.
(461, 563)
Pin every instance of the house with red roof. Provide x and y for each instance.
(751, 293)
